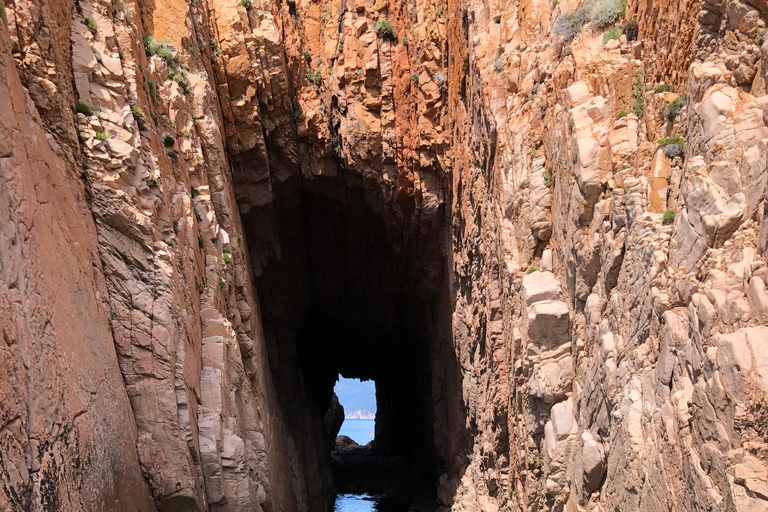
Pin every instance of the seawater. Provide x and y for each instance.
(360, 431)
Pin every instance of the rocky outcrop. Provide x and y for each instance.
(548, 233)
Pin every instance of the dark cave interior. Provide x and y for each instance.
(345, 290)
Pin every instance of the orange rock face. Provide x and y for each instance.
(563, 203)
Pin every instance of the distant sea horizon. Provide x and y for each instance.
(359, 430)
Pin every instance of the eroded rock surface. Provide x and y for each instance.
(574, 229)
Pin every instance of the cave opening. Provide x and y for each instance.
(346, 290)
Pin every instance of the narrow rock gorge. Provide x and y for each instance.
(539, 225)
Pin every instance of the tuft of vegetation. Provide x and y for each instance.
(663, 87)
(605, 12)
(307, 55)
(222, 282)
(85, 165)
(82, 108)
(315, 78)
(385, 30)
(613, 34)
(621, 113)
(298, 113)
(673, 147)
(533, 269)
(169, 141)
(405, 41)
(248, 4)
(170, 243)
(568, 25)
(226, 257)
(101, 135)
(136, 111)
(547, 178)
(340, 48)
(162, 49)
(638, 92)
(153, 181)
(415, 77)
(88, 22)
(439, 11)
(153, 94)
(200, 241)
(498, 65)
(186, 134)
(440, 79)
(668, 217)
(674, 108)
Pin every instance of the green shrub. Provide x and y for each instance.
(674, 108)
(169, 141)
(405, 41)
(153, 91)
(621, 113)
(307, 55)
(222, 282)
(668, 217)
(226, 257)
(248, 4)
(85, 165)
(88, 22)
(153, 181)
(136, 111)
(170, 243)
(547, 178)
(533, 269)
(604, 12)
(415, 77)
(672, 140)
(673, 147)
(82, 108)
(340, 48)
(385, 30)
(664, 87)
(439, 11)
(200, 241)
(186, 134)
(498, 65)
(315, 78)
(298, 113)
(162, 49)
(638, 92)
(613, 34)
(101, 135)
(568, 25)
(181, 79)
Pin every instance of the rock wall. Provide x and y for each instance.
(592, 302)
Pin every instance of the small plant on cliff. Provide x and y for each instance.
(340, 48)
(307, 55)
(668, 217)
(404, 41)
(186, 134)
(169, 141)
(621, 113)
(613, 34)
(248, 4)
(85, 165)
(298, 113)
(498, 65)
(82, 108)
(136, 111)
(533, 269)
(88, 22)
(673, 147)
(604, 12)
(315, 78)
(674, 108)
(638, 92)
(630, 29)
(162, 49)
(439, 11)
(226, 258)
(153, 181)
(385, 30)
(101, 135)
(568, 24)
(200, 241)
(547, 178)
(415, 77)
(222, 282)
(663, 87)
